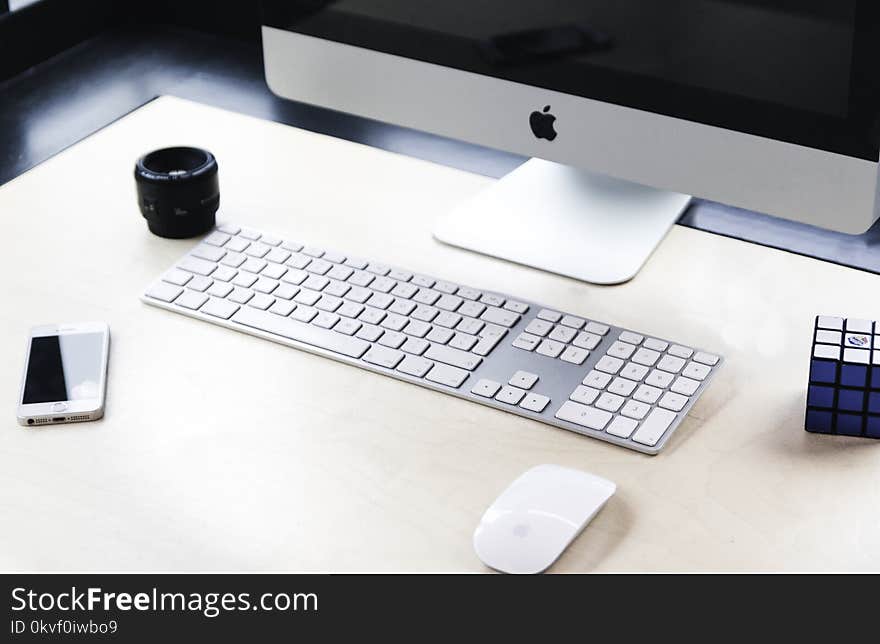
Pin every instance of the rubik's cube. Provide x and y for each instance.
(844, 391)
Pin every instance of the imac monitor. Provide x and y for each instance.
(626, 107)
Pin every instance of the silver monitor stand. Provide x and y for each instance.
(565, 220)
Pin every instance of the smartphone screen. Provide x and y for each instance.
(63, 368)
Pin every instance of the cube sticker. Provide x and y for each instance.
(843, 393)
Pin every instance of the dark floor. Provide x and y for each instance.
(63, 100)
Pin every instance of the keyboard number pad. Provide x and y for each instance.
(643, 383)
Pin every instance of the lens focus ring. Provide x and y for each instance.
(178, 191)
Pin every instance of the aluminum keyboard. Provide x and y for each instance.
(596, 379)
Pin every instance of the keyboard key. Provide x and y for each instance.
(253, 265)
(597, 379)
(635, 409)
(609, 364)
(295, 277)
(454, 357)
(164, 292)
(224, 273)
(277, 255)
(423, 280)
(415, 366)
(345, 325)
(510, 395)
(621, 350)
(447, 375)
(680, 352)
(500, 316)
(621, 427)
(210, 253)
(236, 245)
(261, 301)
(584, 416)
(549, 316)
(199, 283)
(673, 401)
(446, 287)
(670, 364)
(696, 371)
(217, 238)
(191, 299)
(468, 293)
(598, 329)
(550, 348)
(470, 325)
(659, 379)
(535, 402)
(685, 386)
(370, 333)
(586, 340)
(573, 322)
(220, 289)
(829, 322)
(539, 327)
(647, 394)
(653, 427)
(646, 357)
(486, 344)
(383, 356)
(526, 341)
(415, 346)
(609, 402)
(516, 307)
(706, 358)
(240, 295)
(304, 313)
(244, 279)
(463, 341)
(447, 319)
(656, 345)
(257, 249)
(562, 334)
(447, 302)
(307, 297)
(523, 380)
(249, 234)
(634, 371)
(426, 296)
(574, 355)
(622, 387)
(486, 388)
(264, 285)
(584, 395)
(424, 313)
(282, 307)
(304, 333)
(440, 335)
(197, 266)
(632, 338)
(492, 299)
(219, 308)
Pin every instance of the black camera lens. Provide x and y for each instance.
(178, 191)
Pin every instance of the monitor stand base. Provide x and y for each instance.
(565, 220)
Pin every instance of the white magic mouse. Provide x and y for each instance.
(526, 529)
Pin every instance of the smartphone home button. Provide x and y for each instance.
(59, 406)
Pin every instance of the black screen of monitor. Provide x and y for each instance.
(802, 71)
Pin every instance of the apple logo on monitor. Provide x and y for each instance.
(542, 124)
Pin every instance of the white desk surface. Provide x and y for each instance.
(221, 451)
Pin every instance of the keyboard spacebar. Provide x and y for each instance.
(301, 332)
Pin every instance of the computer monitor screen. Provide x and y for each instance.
(802, 71)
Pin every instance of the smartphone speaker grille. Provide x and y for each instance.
(73, 419)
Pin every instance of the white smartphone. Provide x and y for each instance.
(65, 374)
